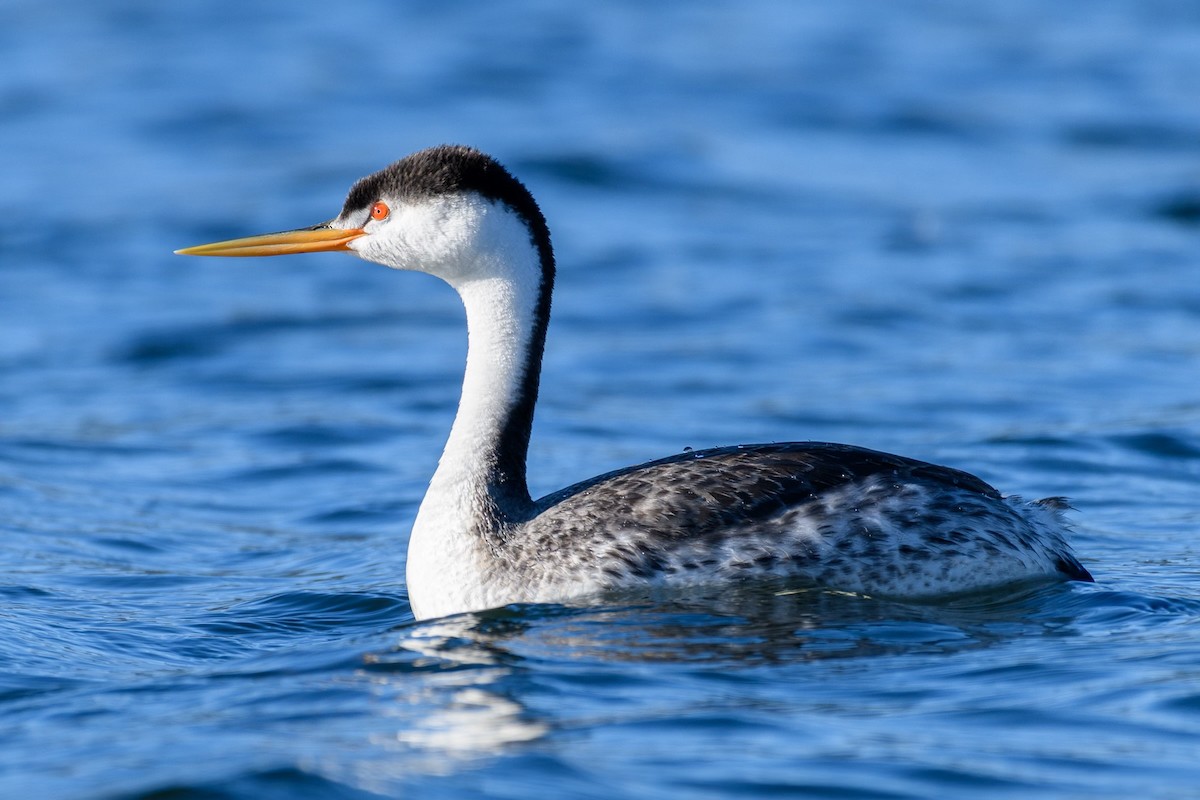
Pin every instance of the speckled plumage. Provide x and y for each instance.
(815, 514)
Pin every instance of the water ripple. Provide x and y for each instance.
(964, 232)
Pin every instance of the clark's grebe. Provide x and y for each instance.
(827, 515)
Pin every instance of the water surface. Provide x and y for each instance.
(969, 234)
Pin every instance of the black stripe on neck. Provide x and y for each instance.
(507, 484)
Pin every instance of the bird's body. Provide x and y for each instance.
(813, 514)
(816, 514)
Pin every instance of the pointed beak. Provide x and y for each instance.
(317, 239)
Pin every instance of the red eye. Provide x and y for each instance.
(380, 210)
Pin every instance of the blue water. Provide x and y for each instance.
(967, 232)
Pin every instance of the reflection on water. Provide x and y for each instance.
(459, 668)
(749, 625)
(468, 691)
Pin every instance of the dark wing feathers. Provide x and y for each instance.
(707, 490)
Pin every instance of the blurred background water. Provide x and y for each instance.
(964, 232)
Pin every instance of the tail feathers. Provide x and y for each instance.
(1068, 565)
(1066, 562)
(1055, 503)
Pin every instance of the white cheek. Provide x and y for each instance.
(441, 237)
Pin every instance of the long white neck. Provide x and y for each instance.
(479, 487)
(476, 471)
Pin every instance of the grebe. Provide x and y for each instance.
(824, 515)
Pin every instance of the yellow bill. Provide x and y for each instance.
(306, 240)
